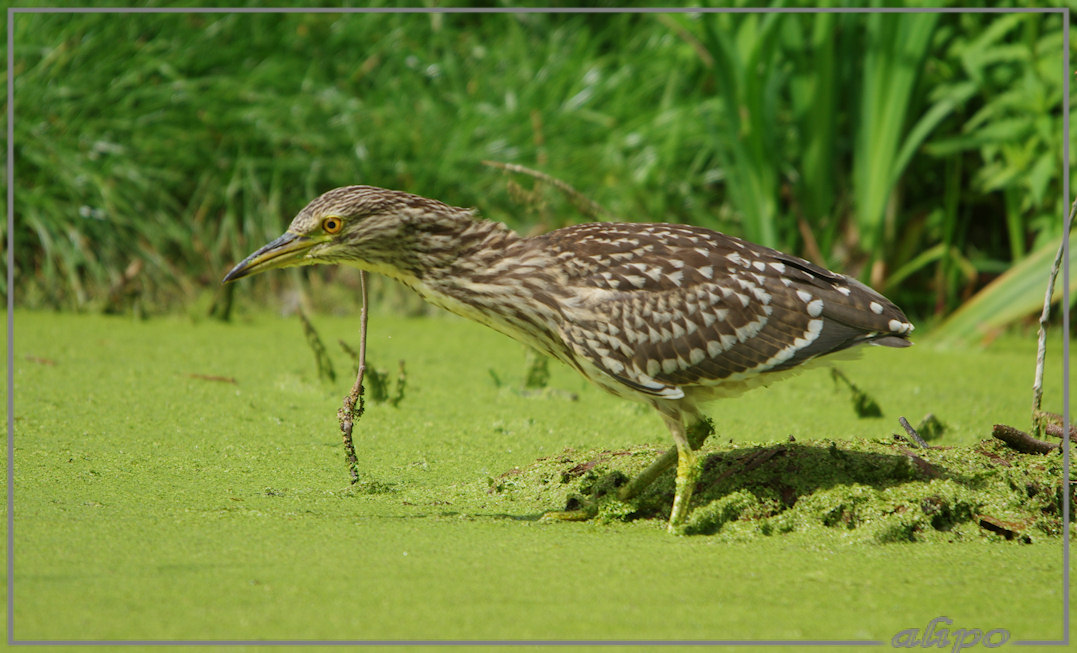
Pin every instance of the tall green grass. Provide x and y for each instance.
(747, 69)
(894, 51)
(920, 151)
(1009, 148)
(849, 137)
(186, 140)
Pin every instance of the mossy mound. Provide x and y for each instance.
(866, 490)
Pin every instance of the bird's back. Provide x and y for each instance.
(662, 308)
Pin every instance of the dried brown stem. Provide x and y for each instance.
(1041, 349)
(1056, 431)
(1052, 424)
(353, 406)
(212, 377)
(321, 356)
(584, 203)
(914, 437)
(1021, 441)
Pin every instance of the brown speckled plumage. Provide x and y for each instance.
(672, 315)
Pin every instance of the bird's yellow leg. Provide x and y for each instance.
(647, 476)
(687, 475)
(582, 508)
(687, 441)
(687, 471)
(697, 433)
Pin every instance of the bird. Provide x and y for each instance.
(671, 315)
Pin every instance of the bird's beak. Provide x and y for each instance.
(282, 252)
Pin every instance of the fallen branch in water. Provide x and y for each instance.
(1020, 441)
(1052, 424)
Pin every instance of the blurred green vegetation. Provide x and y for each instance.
(920, 152)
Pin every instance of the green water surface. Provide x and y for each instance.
(185, 480)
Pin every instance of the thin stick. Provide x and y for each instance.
(1021, 441)
(913, 435)
(1052, 425)
(586, 204)
(321, 356)
(353, 406)
(1041, 350)
(1056, 430)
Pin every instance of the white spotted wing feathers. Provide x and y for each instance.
(657, 307)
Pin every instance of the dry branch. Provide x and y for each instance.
(352, 409)
(1021, 441)
(914, 437)
(586, 204)
(1041, 349)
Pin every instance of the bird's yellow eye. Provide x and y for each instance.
(332, 225)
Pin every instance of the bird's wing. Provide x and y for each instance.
(662, 306)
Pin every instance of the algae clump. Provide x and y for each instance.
(872, 491)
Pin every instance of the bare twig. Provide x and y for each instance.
(353, 407)
(1052, 425)
(1056, 430)
(1007, 529)
(1041, 350)
(125, 288)
(321, 356)
(811, 245)
(212, 377)
(926, 468)
(1021, 441)
(584, 203)
(914, 437)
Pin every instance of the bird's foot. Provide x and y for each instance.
(577, 508)
(687, 475)
(601, 502)
(675, 529)
(607, 509)
(568, 515)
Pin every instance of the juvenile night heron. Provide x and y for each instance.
(671, 315)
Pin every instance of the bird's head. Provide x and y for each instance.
(371, 228)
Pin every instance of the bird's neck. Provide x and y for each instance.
(446, 257)
(490, 274)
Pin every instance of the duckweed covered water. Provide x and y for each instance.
(879, 491)
(185, 480)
